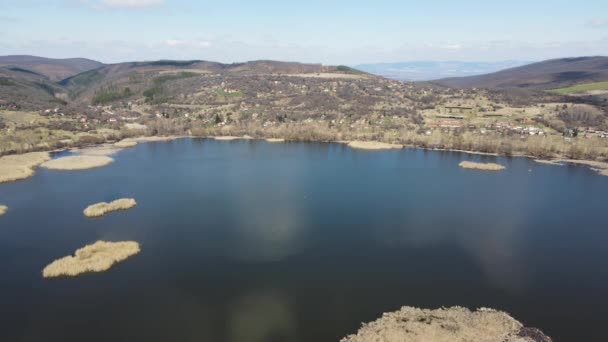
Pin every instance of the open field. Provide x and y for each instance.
(446, 325)
(97, 257)
(582, 88)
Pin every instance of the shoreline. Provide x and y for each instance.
(600, 167)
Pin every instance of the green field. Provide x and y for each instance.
(581, 88)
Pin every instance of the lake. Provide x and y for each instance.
(249, 241)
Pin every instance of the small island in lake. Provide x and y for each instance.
(103, 208)
(97, 257)
(481, 166)
(275, 140)
(446, 325)
(373, 145)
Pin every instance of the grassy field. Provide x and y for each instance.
(581, 88)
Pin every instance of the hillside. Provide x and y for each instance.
(24, 89)
(551, 74)
(290, 101)
(54, 69)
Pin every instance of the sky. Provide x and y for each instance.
(312, 31)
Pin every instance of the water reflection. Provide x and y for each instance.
(264, 316)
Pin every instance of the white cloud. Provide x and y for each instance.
(598, 23)
(131, 3)
(173, 42)
(224, 49)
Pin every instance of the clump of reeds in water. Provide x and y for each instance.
(100, 209)
(481, 166)
(373, 145)
(98, 257)
(3, 209)
(446, 325)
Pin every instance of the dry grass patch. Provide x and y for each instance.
(20, 166)
(103, 208)
(481, 166)
(77, 162)
(97, 257)
(597, 166)
(446, 325)
(125, 144)
(155, 138)
(104, 150)
(3, 209)
(227, 138)
(373, 145)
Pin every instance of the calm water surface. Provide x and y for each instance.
(248, 241)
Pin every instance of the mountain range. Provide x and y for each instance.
(432, 70)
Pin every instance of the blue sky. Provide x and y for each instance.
(329, 32)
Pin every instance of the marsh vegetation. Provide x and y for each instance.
(97, 257)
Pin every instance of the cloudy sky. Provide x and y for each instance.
(329, 32)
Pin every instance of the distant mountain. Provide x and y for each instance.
(29, 86)
(551, 74)
(53, 69)
(432, 70)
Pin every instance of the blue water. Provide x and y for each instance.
(251, 241)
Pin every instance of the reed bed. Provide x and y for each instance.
(103, 150)
(125, 144)
(446, 325)
(481, 166)
(98, 257)
(80, 162)
(3, 209)
(100, 209)
(373, 145)
(20, 166)
(227, 138)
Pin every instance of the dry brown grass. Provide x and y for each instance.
(598, 166)
(103, 150)
(20, 166)
(103, 208)
(77, 162)
(227, 138)
(125, 144)
(155, 138)
(373, 145)
(444, 325)
(3, 209)
(481, 166)
(97, 257)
